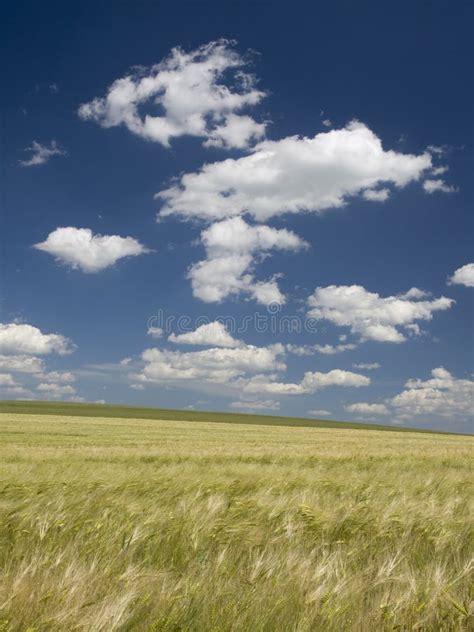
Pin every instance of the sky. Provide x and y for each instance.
(251, 206)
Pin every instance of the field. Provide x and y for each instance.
(121, 523)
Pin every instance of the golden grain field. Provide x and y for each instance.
(133, 524)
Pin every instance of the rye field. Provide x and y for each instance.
(115, 523)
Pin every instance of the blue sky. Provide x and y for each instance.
(312, 162)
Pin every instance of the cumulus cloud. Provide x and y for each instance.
(81, 249)
(232, 246)
(201, 93)
(371, 316)
(40, 154)
(433, 186)
(21, 363)
(319, 413)
(55, 390)
(57, 376)
(463, 276)
(292, 175)
(311, 382)
(247, 370)
(216, 365)
(442, 395)
(25, 339)
(262, 404)
(210, 334)
(365, 408)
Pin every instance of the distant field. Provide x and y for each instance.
(132, 412)
(122, 524)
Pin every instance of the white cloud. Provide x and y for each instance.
(371, 316)
(442, 395)
(376, 195)
(57, 376)
(211, 334)
(7, 380)
(137, 387)
(368, 366)
(310, 383)
(463, 276)
(55, 390)
(200, 93)
(365, 408)
(319, 413)
(81, 249)
(432, 186)
(40, 154)
(237, 131)
(155, 332)
(21, 363)
(232, 246)
(307, 350)
(327, 122)
(263, 404)
(25, 339)
(246, 370)
(438, 171)
(216, 365)
(292, 175)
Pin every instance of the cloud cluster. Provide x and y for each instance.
(40, 154)
(371, 316)
(463, 276)
(55, 390)
(201, 93)
(311, 382)
(232, 246)
(21, 363)
(58, 376)
(216, 365)
(442, 395)
(293, 175)
(20, 344)
(79, 248)
(245, 370)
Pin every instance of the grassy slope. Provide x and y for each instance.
(128, 412)
(112, 524)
